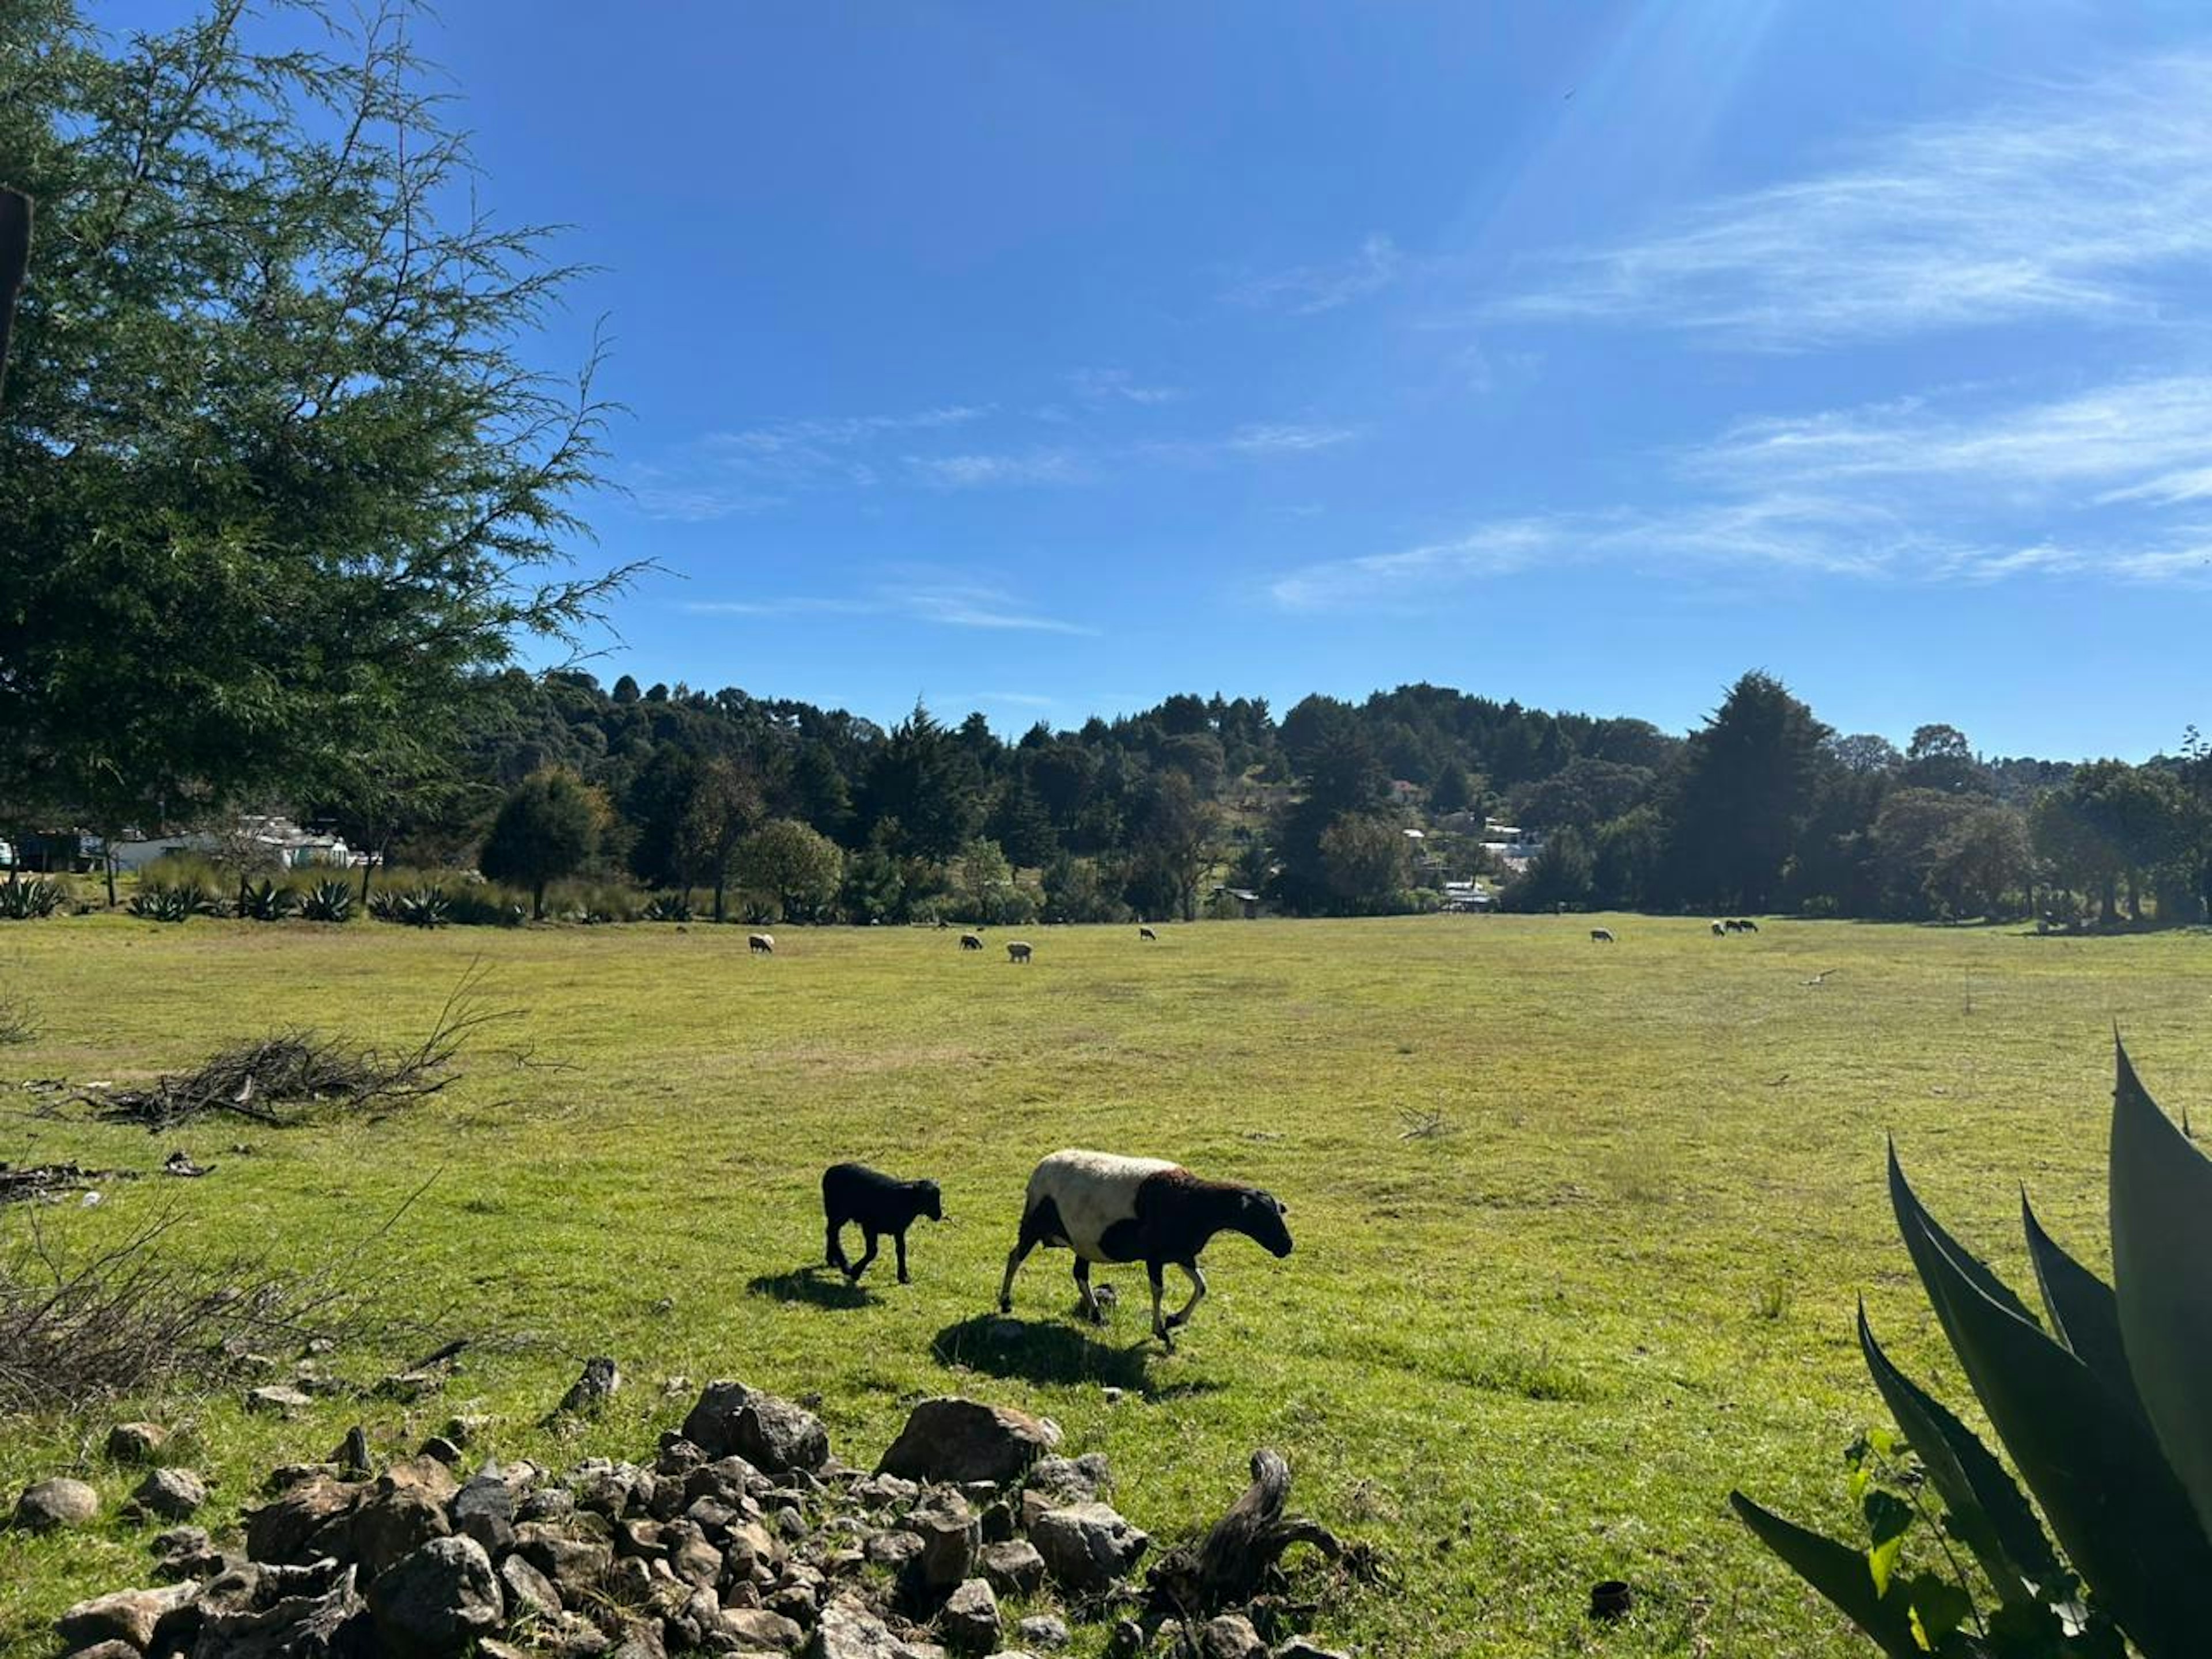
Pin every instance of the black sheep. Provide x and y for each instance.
(878, 1204)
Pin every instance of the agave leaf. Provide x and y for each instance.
(2084, 1315)
(2122, 1517)
(2162, 1270)
(1840, 1573)
(1985, 1507)
(1917, 1225)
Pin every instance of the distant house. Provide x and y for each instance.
(1466, 897)
(282, 841)
(1512, 846)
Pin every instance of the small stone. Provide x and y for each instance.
(1044, 1630)
(892, 1549)
(1087, 1546)
(437, 1600)
(950, 1536)
(630, 1581)
(954, 1439)
(756, 1627)
(529, 1592)
(410, 1386)
(126, 1616)
(395, 1523)
(970, 1619)
(173, 1494)
(277, 1400)
(305, 1515)
(848, 1630)
(1231, 1637)
(1299, 1647)
(58, 1503)
(443, 1450)
(1014, 1567)
(114, 1647)
(135, 1442)
(462, 1430)
(483, 1509)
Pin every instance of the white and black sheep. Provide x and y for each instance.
(970, 942)
(1108, 1209)
(1018, 951)
(761, 944)
(1600, 936)
(1147, 933)
(878, 1204)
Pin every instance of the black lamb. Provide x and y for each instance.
(878, 1204)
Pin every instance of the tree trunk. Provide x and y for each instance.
(720, 882)
(2108, 902)
(538, 902)
(1237, 1557)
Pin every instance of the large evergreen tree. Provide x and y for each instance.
(1746, 790)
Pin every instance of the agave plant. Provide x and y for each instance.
(327, 901)
(265, 901)
(426, 906)
(2103, 1406)
(28, 901)
(175, 902)
(665, 907)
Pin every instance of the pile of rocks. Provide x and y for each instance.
(745, 1536)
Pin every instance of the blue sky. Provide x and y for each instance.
(1048, 359)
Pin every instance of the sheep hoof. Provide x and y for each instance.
(1005, 1305)
(903, 1279)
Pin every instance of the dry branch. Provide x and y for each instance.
(305, 1069)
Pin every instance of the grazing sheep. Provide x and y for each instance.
(1138, 1209)
(1748, 925)
(1147, 933)
(970, 942)
(1719, 930)
(853, 1192)
(761, 944)
(1600, 936)
(1018, 951)
(1733, 924)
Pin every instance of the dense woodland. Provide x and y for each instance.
(814, 814)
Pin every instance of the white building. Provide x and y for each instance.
(283, 842)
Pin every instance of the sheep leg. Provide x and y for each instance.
(1197, 1277)
(1154, 1271)
(899, 1239)
(837, 1251)
(1088, 1298)
(860, 1267)
(1015, 1257)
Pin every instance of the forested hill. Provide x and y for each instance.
(1763, 808)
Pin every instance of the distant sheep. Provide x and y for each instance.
(1018, 951)
(879, 1204)
(1600, 936)
(1138, 1209)
(1719, 930)
(1147, 933)
(1748, 925)
(1733, 924)
(761, 944)
(970, 942)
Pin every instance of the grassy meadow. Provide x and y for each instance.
(1526, 1353)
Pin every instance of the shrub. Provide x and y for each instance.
(666, 907)
(2103, 1411)
(174, 901)
(426, 906)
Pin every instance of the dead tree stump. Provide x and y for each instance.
(1238, 1559)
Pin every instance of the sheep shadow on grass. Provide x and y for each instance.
(1051, 1350)
(814, 1284)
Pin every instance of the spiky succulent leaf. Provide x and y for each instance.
(2162, 1197)
(1840, 1573)
(2117, 1508)
(2084, 1316)
(1985, 1507)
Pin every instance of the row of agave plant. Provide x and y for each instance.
(263, 901)
(2104, 1405)
(29, 899)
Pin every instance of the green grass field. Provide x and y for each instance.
(1524, 1355)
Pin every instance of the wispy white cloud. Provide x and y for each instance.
(1308, 290)
(1119, 386)
(1035, 466)
(949, 602)
(2076, 200)
(2110, 483)
(1287, 440)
